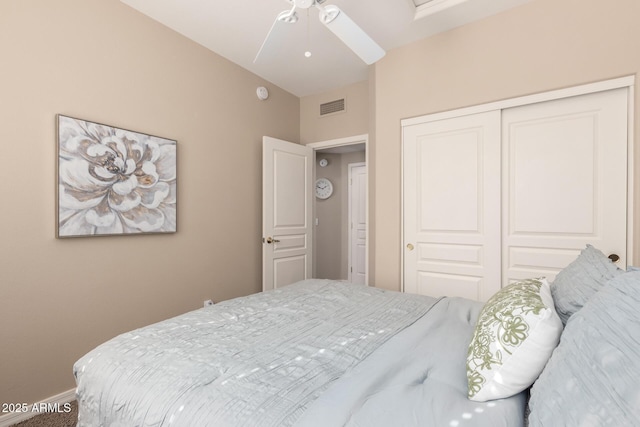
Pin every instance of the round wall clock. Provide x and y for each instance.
(324, 188)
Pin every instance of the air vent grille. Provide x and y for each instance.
(332, 107)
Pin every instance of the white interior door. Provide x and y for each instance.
(287, 175)
(565, 182)
(451, 206)
(357, 223)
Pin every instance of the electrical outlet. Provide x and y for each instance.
(208, 302)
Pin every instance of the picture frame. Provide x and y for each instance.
(113, 181)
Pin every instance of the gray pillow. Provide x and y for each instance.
(574, 285)
(592, 377)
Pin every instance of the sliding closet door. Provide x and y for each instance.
(564, 182)
(451, 206)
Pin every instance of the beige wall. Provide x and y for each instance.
(327, 235)
(102, 61)
(544, 45)
(353, 121)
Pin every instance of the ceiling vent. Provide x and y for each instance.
(332, 107)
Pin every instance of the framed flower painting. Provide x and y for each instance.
(113, 181)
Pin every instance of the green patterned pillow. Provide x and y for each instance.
(516, 333)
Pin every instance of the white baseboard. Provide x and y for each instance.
(12, 418)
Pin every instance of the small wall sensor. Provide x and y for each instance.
(262, 93)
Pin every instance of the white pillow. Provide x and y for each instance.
(516, 332)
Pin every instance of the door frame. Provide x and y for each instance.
(350, 197)
(342, 142)
(627, 82)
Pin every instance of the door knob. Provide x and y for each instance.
(409, 246)
(271, 240)
(614, 257)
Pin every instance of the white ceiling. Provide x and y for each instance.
(235, 29)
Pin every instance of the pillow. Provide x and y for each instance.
(575, 284)
(516, 333)
(592, 377)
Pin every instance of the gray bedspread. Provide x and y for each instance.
(319, 353)
(417, 378)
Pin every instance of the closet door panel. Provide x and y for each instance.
(552, 175)
(451, 199)
(564, 182)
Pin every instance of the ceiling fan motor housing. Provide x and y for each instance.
(303, 4)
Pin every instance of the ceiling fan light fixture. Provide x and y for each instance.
(288, 16)
(328, 13)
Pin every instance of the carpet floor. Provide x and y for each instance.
(53, 419)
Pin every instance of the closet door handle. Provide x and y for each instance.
(271, 240)
(614, 257)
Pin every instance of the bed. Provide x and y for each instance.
(329, 353)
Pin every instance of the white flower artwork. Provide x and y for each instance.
(113, 181)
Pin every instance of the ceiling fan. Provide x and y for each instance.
(335, 20)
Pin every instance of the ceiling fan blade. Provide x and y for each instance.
(277, 34)
(351, 34)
